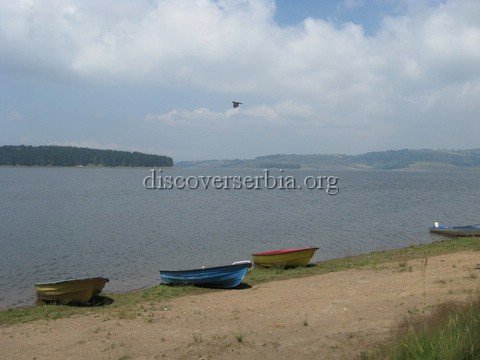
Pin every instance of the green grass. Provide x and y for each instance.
(239, 337)
(28, 314)
(451, 332)
(130, 305)
(124, 306)
(371, 260)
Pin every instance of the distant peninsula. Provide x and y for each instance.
(405, 159)
(52, 155)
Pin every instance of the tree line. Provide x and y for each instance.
(53, 155)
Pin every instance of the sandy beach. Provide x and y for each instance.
(332, 316)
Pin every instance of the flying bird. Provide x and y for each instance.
(235, 104)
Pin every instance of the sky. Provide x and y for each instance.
(155, 76)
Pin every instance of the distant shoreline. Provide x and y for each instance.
(84, 166)
(52, 155)
(429, 169)
(405, 159)
(397, 160)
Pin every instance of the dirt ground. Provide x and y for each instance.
(331, 316)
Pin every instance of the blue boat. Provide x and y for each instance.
(468, 230)
(228, 276)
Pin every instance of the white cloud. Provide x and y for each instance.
(197, 117)
(425, 61)
(235, 44)
(286, 112)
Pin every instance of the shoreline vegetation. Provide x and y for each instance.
(405, 159)
(46, 155)
(449, 331)
(126, 303)
(387, 287)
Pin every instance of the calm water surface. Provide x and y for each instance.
(58, 223)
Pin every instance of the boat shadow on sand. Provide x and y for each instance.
(98, 300)
(242, 286)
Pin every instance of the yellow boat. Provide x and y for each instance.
(71, 291)
(284, 258)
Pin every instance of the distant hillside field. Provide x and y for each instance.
(72, 156)
(379, 160)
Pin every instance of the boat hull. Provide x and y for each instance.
(284, 258)
(229, 276)
(456, 230)
(71, 291)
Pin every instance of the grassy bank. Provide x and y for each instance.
(450, 331)
(139, 302)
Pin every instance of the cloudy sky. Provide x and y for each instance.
(159, 76)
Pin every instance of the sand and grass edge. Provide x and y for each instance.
(128, 305)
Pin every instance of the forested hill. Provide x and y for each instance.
(380, 160)
(74, 156)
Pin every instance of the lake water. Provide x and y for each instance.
(58, 223)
